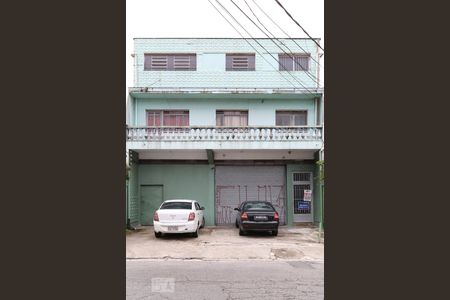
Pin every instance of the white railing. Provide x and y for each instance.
(199, 133)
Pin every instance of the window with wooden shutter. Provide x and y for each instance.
(170, 62)
(240, 62)
(296, 62)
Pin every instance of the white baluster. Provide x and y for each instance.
(257, 134)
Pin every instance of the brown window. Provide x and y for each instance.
(167, 118)
(296, 62)
(232, 118)
(240, 62)
(170, 62)
(291, 118)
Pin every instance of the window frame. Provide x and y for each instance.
(294, 65)
(292, 111)
(231, 110)
(251, 63)
(161, 112)
(170, 58)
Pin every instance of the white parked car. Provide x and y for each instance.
(178, 216)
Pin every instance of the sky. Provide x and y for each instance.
(198, 18)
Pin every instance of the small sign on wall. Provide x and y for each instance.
(307, 195)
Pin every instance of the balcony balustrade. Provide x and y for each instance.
(195, 134)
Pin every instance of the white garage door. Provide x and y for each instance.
(236, 184)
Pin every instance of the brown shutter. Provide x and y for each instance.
(285, 62)
(147, 62)
(251, 62)
(184, 62)
(170, 62)
(159, 62)
(229, 63)
(301, 63)
(240, 62)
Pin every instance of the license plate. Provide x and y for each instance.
(173, 228)
(260, 218)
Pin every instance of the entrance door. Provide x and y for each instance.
(303, 203)
(151, 199)
(236, 184)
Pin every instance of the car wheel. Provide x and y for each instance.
(203, 223)
(241, 232)
(195, 234)
(275, 232)
(158, 234)
(236, 224)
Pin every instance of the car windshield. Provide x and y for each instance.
(176, 205)
(258, 206)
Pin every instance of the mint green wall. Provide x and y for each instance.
(211, 71)
(302, 167)
(133, 190)
(202, 112)
(183, 181)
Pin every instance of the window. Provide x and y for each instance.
(167, 118)
(176, 205)
(240, 62)
(296, 62)
(170, 62)
(291, 118)
(197, 206)
(258, 206)
(231, 118)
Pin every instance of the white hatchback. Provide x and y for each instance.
(178, 216)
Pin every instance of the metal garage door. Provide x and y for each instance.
(151, 199)
(236, 184)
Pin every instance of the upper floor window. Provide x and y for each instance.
(231, 118)
(167, 118)
(170, 62)
(296, 62)
(240, 62)
(291, 118)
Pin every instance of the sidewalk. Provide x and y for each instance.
(224, 243)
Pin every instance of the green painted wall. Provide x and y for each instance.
(184, 181)
(133, 190)
(302, 167)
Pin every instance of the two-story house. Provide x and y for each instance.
(224, 120)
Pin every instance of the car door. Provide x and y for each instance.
(199, 212)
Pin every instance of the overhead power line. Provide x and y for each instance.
(298, 24)
(287, 34)
(295, 78)
(310, 75)
(256, 50)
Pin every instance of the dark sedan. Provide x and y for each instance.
(257, 216)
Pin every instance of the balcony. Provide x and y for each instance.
(198, 137)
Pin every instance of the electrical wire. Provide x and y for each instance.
(251, 44)
(310, 75)
(287, 34)
(295, 78)
(298, 24)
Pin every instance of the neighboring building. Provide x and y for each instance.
(212, 119)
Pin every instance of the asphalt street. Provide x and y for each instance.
(232, 279)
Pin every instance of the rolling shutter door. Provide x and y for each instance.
(236, 184)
